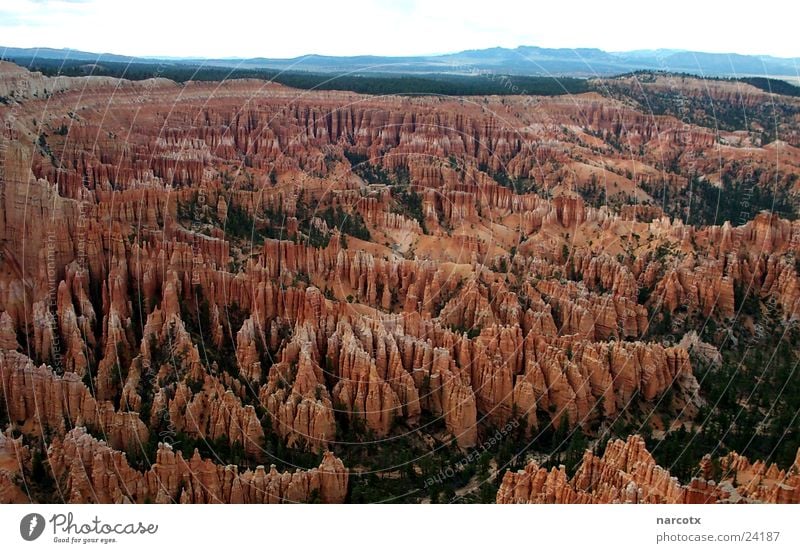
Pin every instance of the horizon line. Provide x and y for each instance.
(653, 51)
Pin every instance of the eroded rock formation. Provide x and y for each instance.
(627, 473)
(92, 472)
(287, 266)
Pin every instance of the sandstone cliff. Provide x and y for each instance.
(627, 473)
(282, 267)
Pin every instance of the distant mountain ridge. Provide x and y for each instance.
(523, 60)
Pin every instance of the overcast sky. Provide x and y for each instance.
(288, 28)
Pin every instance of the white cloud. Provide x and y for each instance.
(386, 27)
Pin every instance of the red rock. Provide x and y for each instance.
(627, 473)
(122, 267)
(92, 472)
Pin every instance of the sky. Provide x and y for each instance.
(289, 28)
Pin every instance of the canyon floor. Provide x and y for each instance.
(241, 292)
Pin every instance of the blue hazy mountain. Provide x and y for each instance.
(524, 60)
